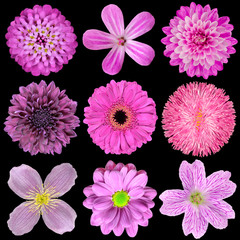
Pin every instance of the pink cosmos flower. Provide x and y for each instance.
(199, 41)
(120, 117)
(42, 199)
(119, 199)
(120, 40)
(201, 200)
(198, 118)
(41, 118)
(41, 40)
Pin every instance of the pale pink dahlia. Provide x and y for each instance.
(199, 41)
(41, 40)
(119, 199)
(198, 118)
(41, 118)
(41, 199)
(121, 117)
(201, 200)
(120, 39)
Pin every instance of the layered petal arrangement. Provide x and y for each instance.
(41, 118)
(199, 41)
(201, 199)
(41, 40)
(121, 39)
(198, 118)
(121, 117)
(42, 199)
(119, 199)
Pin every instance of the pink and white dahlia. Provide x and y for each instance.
(198, 118)
(201, 200)
(121, 117)
(42, 199)
(41, 118)
(41, 40)
(119, 199)
(120, 39)
(199, 41)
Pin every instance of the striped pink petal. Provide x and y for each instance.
(140, 24)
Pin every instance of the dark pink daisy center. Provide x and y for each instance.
(41, 118)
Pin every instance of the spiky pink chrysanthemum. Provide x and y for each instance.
(121, 117)
(41, 118)
(199, 41)
(201, 199)
(41, 40)
(119, 199)
(198, 118)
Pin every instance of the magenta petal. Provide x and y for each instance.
(141, 53)
(62, 178)
(102, 189)
(23, 179)
(113, 62)
(140, 24)
(22, 220)
(102, 203)
(114, 179)
(61, 218)
(132, 230)
(138, 181)
(136, 192)
(113, 19)
(96, 39)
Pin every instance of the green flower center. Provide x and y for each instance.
(196, 198)
(120, 199)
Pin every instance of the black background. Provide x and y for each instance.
(80, 77)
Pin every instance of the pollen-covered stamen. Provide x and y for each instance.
(196, 198)
(198, 119)
(120, 199)
(121, 41)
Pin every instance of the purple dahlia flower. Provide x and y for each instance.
(41, 118)
(41, 40)
(119, 199)
(199, 41)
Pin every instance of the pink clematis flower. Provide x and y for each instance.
(41, 199)
(120, 39)
(119, 199)
(201, 200)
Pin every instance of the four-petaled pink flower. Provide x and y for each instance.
(120, 39)
(119, 199)
(199, 41)
(201, 200)
(42, 199)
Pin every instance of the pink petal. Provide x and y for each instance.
(96, 39)
(110, 165)
(62, 178)
(136, 192)
(102, 203)
(118, 230)
(128, 178)
(138, 181)
(115, 180)
(113, 19)
(186, 176)
(140, 24)
(102, 189)
(194, 223)
(132, 230)
(199, 175)
(173, 202)
(125, 217)
(150, 192)
(61, 218)
(23, 179)
(88, 191)
(22, 220)
(110, 214)
(113, 62)
(141, 53)
(139, 204)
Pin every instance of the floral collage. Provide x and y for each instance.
(198, 119)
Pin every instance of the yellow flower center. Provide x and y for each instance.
(120, 199)
(198, 119)
(196, 198)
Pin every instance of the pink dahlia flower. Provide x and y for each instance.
(120, 39)
(120, 117)
(41, 118)
(201, 200)
(198, 118)
(199, 41)
(119, 199)
(42, 199)
(41, 40)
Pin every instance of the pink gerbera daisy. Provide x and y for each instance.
(198, 118)
(199, 41)
(120, 40)
(120, 117)
(41, 199)
(119, 199)
(201, 200)
(41, 40)
(41, 118)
